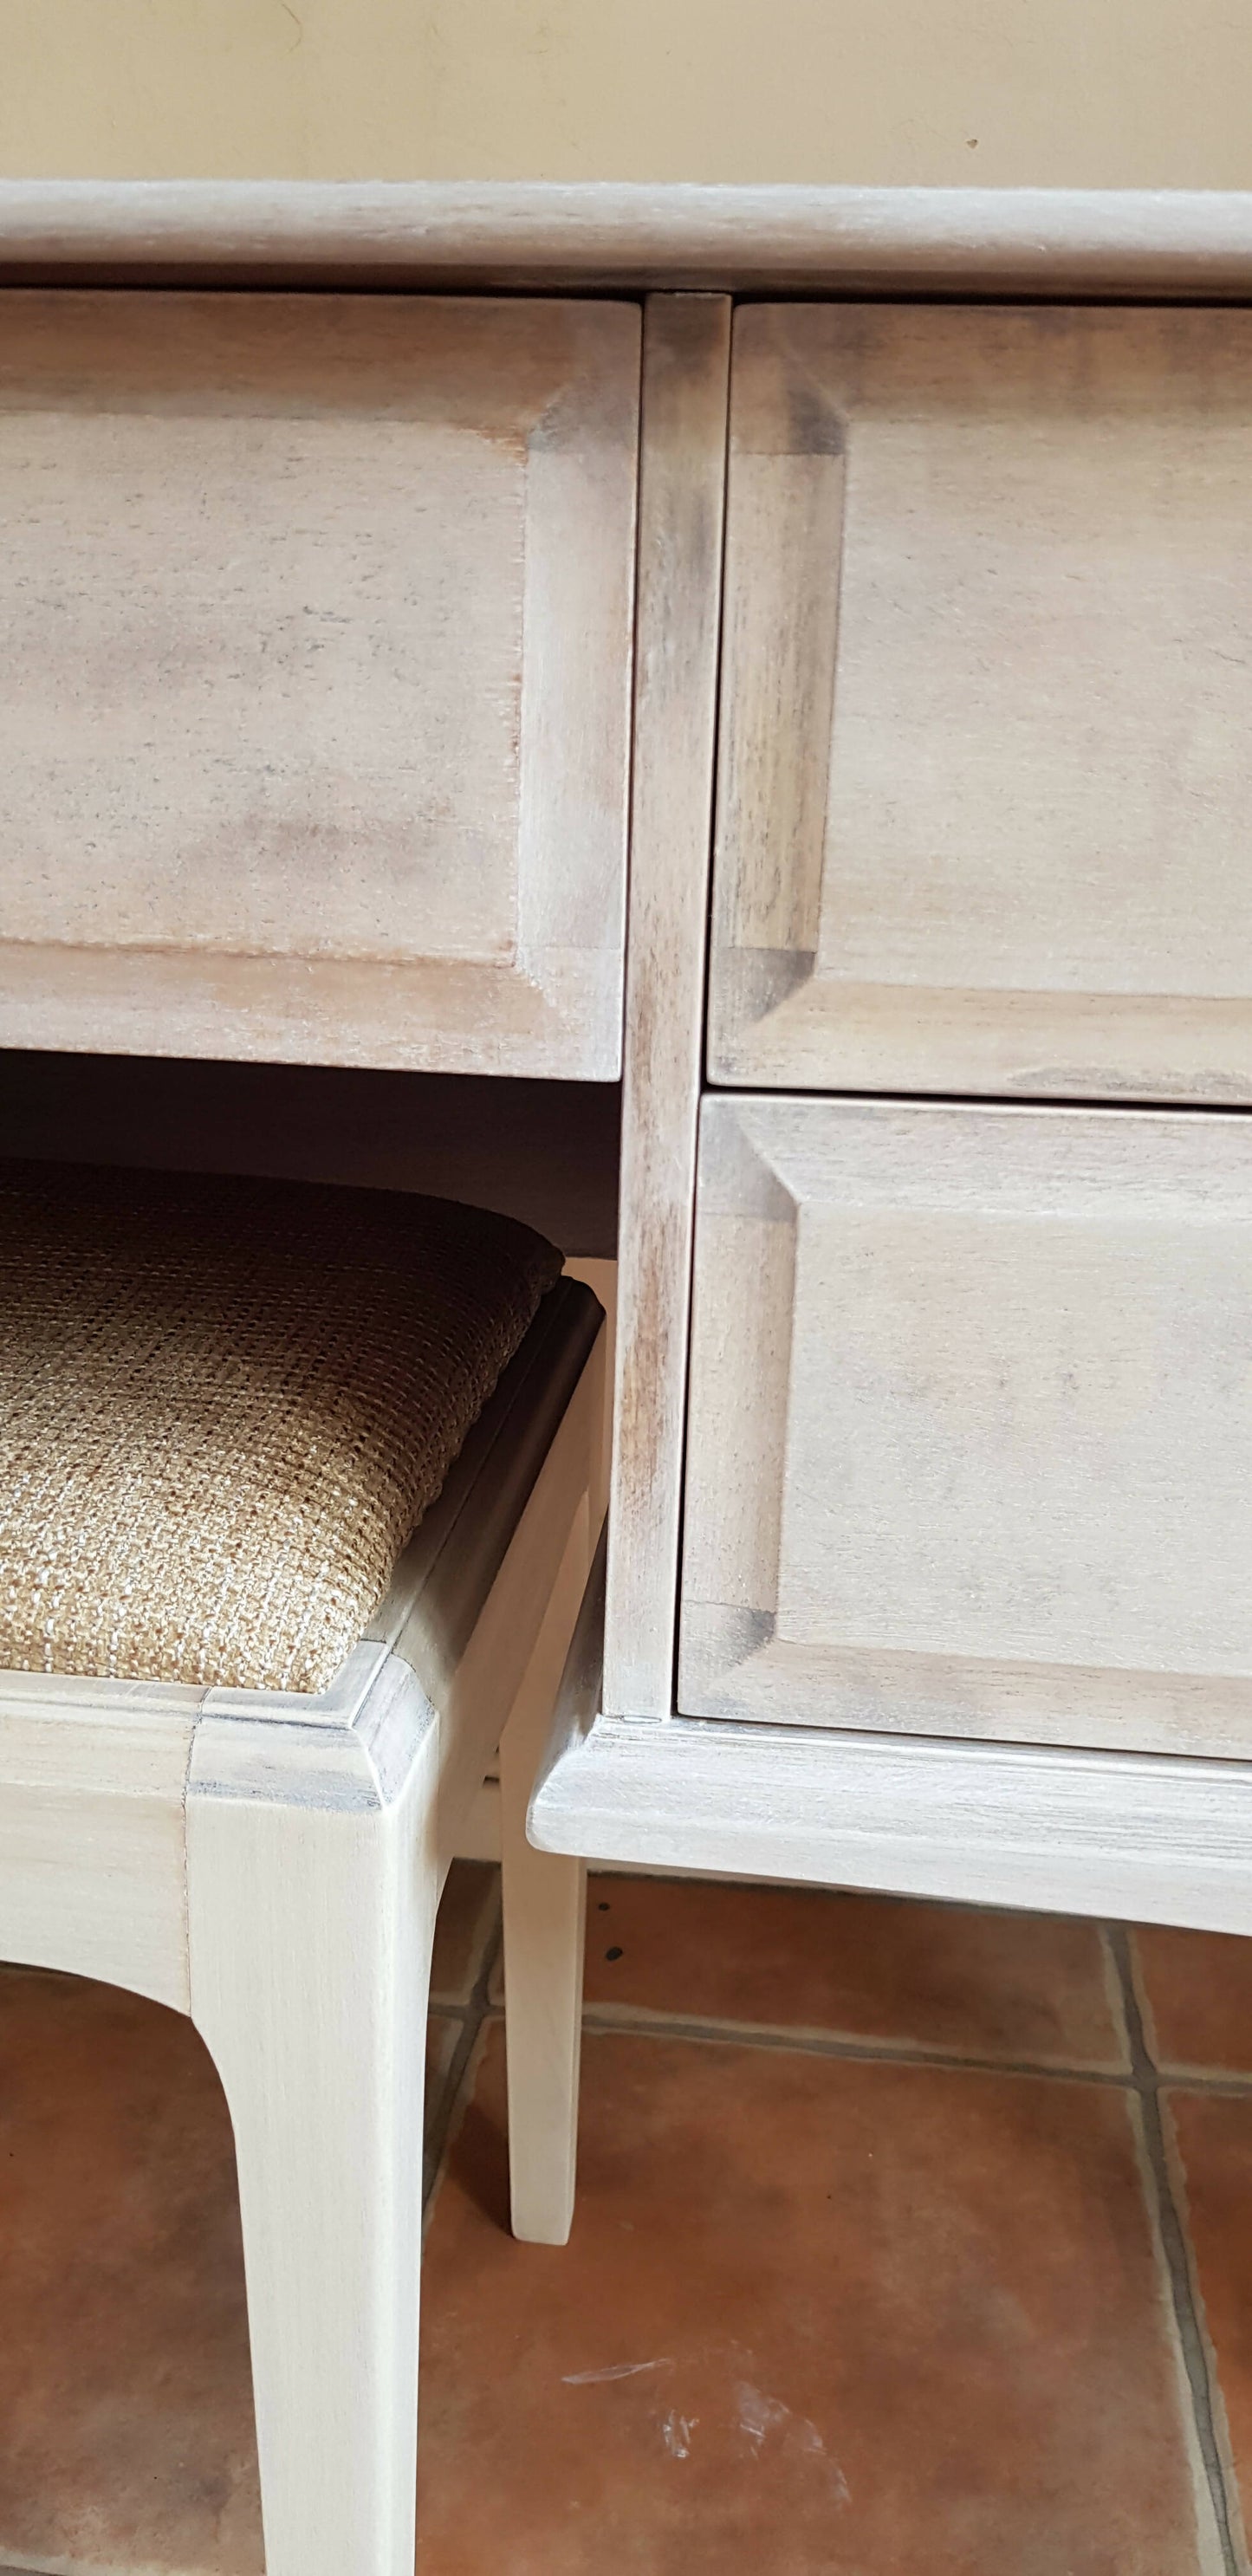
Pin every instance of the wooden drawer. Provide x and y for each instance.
(970, 1431)
(986, 764)
(316, 616)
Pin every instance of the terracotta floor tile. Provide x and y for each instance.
(1213, 2142)
(126, 2429)
(125, 2393)
(1027, 1987)
(1196, 1989)
(468, 1913)
(817, 2317)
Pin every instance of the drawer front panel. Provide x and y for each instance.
(970, 1432)
(986, 762)
(316, 616)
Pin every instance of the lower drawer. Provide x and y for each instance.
(970, 1430)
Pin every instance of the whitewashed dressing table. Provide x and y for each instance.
(929, 1561)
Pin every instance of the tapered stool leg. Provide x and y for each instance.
(311, 1896)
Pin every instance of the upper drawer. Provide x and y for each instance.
(314, 676)
(986, 765)
(969, 1444)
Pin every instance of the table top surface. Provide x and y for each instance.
(630, 236)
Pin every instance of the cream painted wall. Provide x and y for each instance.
(1098, 93)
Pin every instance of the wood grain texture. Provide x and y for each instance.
(1154, 1840)
(316, 1851)
(984, 750)
(544, 1913)
(548, 1407)
(544, 1899)
(93, 1772)
(91, 1830)
(317, 1845)
(681, 508)
(971, 1411)
(632, 235)
(271, 1862)
(317, 618)
(313, 1880)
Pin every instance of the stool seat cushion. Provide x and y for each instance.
(225, 1406)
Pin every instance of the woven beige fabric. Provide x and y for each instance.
(225, 1406)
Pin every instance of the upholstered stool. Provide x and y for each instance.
(299, 1490)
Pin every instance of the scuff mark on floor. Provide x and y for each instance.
(759, 2416)
(676, 2432)
(612, 2370)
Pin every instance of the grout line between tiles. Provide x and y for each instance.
(1173, 2242)
(617, 2020)
(1195, 2079)
(472, 2016)
(1176, 2172)
(648, 2021)
(460, 2097)
(435, 2116)
(1115, 1995)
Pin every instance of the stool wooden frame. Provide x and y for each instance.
(271, 1864)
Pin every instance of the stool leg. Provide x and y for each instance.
(544, 1900)
(311, 1902)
